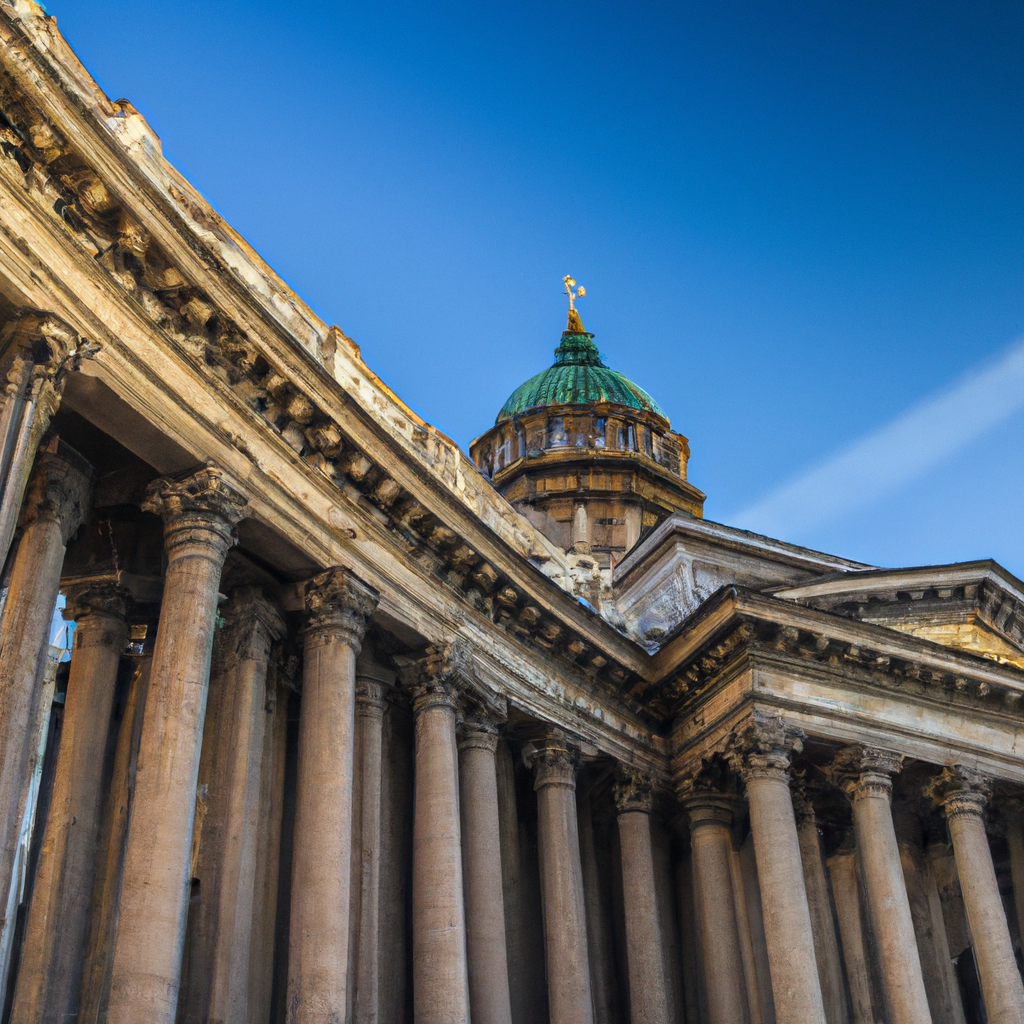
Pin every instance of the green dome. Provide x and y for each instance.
(577, 378)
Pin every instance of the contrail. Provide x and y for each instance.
(895, 454)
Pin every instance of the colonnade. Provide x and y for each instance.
(773, 932)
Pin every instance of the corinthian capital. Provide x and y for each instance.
(203, 502)
(866, 771)
(632, 790)
(36, 351)
(60, 489)
(761, 747)
(251, 626)
(338, 607)
(960, 791)
(552, 760)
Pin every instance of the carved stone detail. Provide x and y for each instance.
(480, 727)
(961, 791)
(252, 624)
(866, 771)
(633, 790)
(338, 607)
(552, 760)
(200, 507)
(60, 489)
(761, 746)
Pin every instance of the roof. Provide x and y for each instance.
(578, 377)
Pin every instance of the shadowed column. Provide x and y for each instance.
(439, 966)
(36, 352)
(372, 684)
(866, 774)
(964, 796)
(481, 862)
(764, 747)
(230, 769)
(565, 922)
(55, 506)
(648, 986)
(50, 974)
(199, 514)
(338, 606)
(826, 945)
(710, 814)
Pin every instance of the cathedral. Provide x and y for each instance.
(358, 729)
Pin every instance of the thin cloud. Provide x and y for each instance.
(923, 437)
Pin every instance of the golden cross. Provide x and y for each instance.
(569, 285)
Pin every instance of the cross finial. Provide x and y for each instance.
(578, 294)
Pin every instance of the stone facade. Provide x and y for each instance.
(340, 741)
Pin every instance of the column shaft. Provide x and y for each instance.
(884, 884)
(826, 946)
(440, 972)
(721, 955)
(50, 974)
(565, 924)
(1001, 983)
(648, 986)
(229, 768)
(370, 705)
(1015, 840)
(843, 870)
(787, 921)
(36, 350)
(199, 513)
(481, 860)
(54, 508)
(318, 956)
(602, 965)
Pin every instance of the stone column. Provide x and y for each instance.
(439, 966)
(937, 969)
(842, 868)
(826, 946)
(964, 795)
(866, 774)
(489, 999)
(710, 813)
(56, 505)
(602, 964)
(648, 986)
(229, 768)
(763, 755)
(688, 943)
(372, 684)
(570, 998)
(338, 607)
(50, 974)
(36, 352)
(1013, 815)
(199, 513)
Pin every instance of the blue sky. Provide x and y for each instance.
(797, 223)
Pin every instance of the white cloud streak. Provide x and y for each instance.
(921, 438)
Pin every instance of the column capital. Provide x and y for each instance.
(202, 507)
(338, 607)
(866, 771)
(961, 791)
(102, 596)
(436, 678)
(480, 728)
(37, 349)
(552, 760)
(633, 790)
(60, 489)
(252, 624)
(762, 745)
